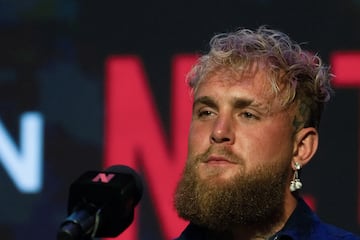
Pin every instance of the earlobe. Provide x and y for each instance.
(306, 144)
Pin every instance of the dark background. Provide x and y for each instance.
(52, 55)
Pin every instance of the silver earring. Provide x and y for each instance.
(296, 184)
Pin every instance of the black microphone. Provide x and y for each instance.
(101, 203)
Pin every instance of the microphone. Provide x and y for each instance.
(101, 203)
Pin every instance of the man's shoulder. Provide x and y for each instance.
(329, 231)
(305, 224)
(318, 231)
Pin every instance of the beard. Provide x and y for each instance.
(254, 199)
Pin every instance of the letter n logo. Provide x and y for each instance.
(103, 177)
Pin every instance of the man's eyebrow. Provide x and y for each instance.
(243, 102)
(238, 103)
(206, 100)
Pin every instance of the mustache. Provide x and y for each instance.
(220, 152)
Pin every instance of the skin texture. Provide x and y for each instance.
(239, 128)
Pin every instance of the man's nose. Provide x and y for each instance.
(222, 131)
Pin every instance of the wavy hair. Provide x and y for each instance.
(301, 77)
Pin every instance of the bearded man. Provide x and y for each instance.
(258, 99)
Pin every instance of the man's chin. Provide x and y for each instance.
(217, 173)
(220, 196)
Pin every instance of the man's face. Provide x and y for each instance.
(240, 145)
(238, 126)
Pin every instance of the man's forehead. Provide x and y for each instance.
(258, 82)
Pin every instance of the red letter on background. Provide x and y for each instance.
(133, 132)
(346, 68)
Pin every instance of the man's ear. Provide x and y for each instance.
(305, 145)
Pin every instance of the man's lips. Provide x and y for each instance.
(218, 160)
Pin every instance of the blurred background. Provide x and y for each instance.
(54, 98)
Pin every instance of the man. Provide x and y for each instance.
(258, 99)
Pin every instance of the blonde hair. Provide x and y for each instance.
(303, 77)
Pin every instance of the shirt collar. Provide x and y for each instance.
(299, 224)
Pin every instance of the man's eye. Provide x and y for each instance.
(204, 113)
(249, 115)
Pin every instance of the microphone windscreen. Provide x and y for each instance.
(122, 169)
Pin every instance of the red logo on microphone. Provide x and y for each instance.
(103, 177)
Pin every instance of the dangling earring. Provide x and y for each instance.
(296, 184)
